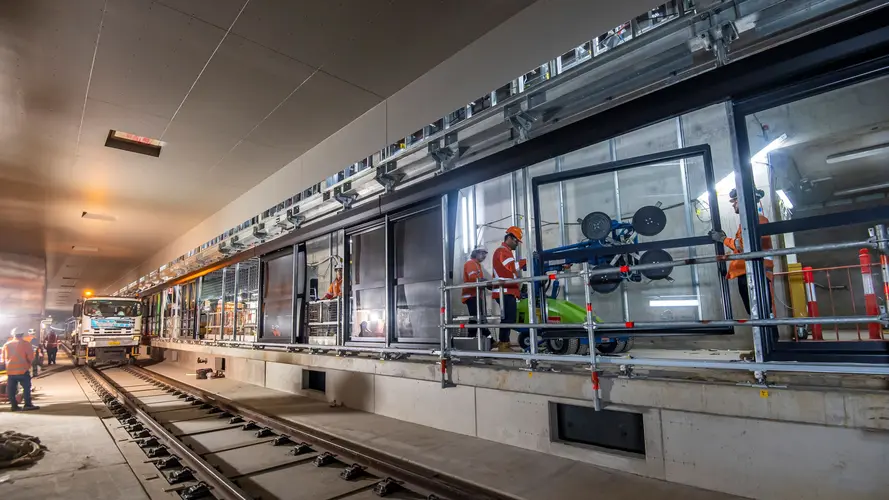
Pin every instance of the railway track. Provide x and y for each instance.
(209, 448)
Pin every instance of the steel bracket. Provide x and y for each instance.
(444, 157)
(346, 199)
(718, 38)
(521, 122)
(388, 177)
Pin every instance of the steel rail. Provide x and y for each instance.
(450, 486)
(221, 486)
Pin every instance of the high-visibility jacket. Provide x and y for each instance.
(32, 340)
(472, 272)
(52, 340)
(19, 355)
(505, 268)
(335, 289)
(738, 267)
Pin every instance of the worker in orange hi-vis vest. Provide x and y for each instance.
(506, 268)
(473, 273)
(336, 286)
(18, 354)
(737, 269)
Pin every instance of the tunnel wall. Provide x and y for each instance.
(816, 443)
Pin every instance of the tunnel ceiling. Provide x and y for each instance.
(235, 89)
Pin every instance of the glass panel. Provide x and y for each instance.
(248, 299)
(417, 309)
(418, 271)
(211, 305)
(323, 258)
(369, 259)
(189, 309)
(369, 313)
(368, 272)
(277, 295)
(228, 300)
(813, 159)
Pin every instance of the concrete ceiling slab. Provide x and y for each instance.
(231, 106)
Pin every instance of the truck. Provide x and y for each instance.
(106, 330)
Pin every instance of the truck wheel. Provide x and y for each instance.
(563, 346)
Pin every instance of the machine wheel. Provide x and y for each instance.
(625, 345)
(563, 346)
(131, 360)
(607, 348)
(91, 363)
(525, 341)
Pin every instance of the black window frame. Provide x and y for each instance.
(743, 106)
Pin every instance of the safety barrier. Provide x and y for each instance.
(839, 287)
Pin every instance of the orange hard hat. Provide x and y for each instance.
(516, 232)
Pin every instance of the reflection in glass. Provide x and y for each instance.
(277, 299)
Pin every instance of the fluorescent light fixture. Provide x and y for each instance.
(722, 187)
(858, 153)
(674, 303)
(79, 248)
(762, 156)
(784, 199)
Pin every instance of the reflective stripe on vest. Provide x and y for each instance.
(16, 354)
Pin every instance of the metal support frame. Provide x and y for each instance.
(689, 223)
(235, 307)
(532, 290)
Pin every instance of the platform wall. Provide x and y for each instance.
(812, 443)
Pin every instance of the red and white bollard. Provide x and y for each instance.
(811, 301)
(871, 307)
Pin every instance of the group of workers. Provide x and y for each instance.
(21, 356)
(505, 267)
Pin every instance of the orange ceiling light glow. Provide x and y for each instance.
(88, 293)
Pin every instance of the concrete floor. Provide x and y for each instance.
(517, 472)
(83, 461)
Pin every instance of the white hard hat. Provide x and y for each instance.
(30, 330)
(14, 333)
(477, 250)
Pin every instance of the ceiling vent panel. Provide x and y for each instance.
(95, 216)
(133, 143)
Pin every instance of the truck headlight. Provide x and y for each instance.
(136, 338)
(85, 340)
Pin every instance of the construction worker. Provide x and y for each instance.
(51, 347)
(737, 269)
(335, 290)
(506, 268)
(32, 339)
(473, 273)
(18, 355)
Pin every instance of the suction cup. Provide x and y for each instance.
(649, 220)
(605, 283)
(657, 257)
(596, 225)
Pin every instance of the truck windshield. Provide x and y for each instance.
(112, 308)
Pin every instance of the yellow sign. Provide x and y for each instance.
(763, 393)
(113, 342)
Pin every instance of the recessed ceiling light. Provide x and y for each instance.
(95, 216)
(80, 248)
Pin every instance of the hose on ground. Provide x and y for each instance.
(19, 449)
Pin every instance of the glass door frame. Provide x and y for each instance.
(767, 338)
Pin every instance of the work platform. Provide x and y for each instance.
(84, 459)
